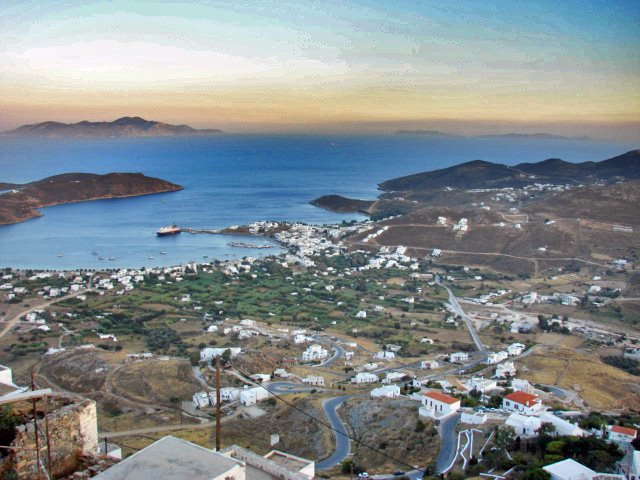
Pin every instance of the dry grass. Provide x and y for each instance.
(559, 340)
(601, 386)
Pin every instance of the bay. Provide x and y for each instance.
(227, 180)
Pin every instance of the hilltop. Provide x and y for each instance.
(22, 202)
(483, 174)
(122, 127)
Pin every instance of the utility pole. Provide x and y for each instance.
(218, 409)
(35, 422)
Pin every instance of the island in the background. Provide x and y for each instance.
(21, 202)
(122, 127)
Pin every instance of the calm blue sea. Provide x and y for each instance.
(228, 180)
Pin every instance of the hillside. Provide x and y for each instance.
(482, 174)
(122, 127)
(22, 202)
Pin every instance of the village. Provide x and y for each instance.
(471, 354)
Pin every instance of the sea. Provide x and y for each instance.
(228, 180)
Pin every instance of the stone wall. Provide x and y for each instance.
(73, 431)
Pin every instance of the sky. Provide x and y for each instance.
(474, 67)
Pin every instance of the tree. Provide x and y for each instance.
(504, 436)
(536, 474)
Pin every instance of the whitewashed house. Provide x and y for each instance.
(261, 377)
(207, 354)
(429, 364)
(496, 357)
(522, 402)
(436, 404)
(524, 425)
(521, 385)
(384, 355)
(314, 352)
(365, 377)
(621, 435)
(480, 384)
(393, 377)
(562, 426)
(515, 349)
(458, 357)
(314, 380)
(202, 400)
(387, 391)
(348, 355)
(506, 369)
(251, 396)
(229, 394)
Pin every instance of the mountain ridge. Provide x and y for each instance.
(121, 127)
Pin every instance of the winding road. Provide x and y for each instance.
(341, 451)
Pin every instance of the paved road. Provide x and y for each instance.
(288, 387)
(10, 323)
(448, 442)
(455, 306)
(338, 352)
(340, 434)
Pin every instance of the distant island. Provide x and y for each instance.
(122, 127)
(22, 202)
(515, 136)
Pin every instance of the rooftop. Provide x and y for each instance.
(624, 430)
(569, 470)
(171, 458)
(441, 397)
(522, 398)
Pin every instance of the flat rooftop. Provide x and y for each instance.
(290, 462)
(171, 458)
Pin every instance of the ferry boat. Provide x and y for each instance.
(170, 230)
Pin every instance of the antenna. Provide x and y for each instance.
(218, 409)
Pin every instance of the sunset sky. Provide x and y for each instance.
(568, 67)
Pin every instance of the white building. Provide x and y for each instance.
(315, 380)
(388, 391)
(515, 349)
(300, 338)
(251, 396)
(261, 377)
(496, 357)
(521, 402)
(562, 426)
(524, 425)
(437, 405)
(365, 377)
(207, 354)
(229, 394)
(506, 369)
(569, 469)
(458, 357)
(473, 418)
(429, 364)
(621, 435)
(393, 377)
(385, 355)
(314, 352)
(202, 400)
(521, 385)
(480, 384)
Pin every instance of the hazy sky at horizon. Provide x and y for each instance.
(462, 66)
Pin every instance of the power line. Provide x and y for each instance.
(329, 426)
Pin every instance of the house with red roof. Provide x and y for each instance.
(522, 402)
(621, 435)
(436, 404)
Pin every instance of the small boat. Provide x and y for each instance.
(151, 258)
(100, 258)
(170, 230)
(60, 255)
(163, 253)
(94, 253)
(111, 258)
(205, 256)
